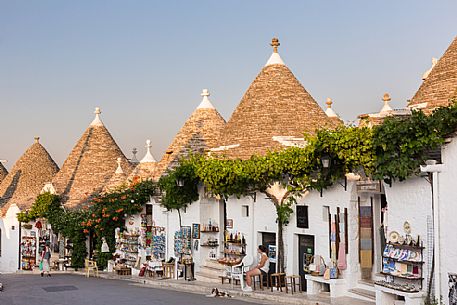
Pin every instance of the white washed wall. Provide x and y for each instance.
(411, 201)
(447, 183)
(10, 241)
(333, 197)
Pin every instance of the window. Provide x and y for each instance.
(302, 216)
(326, 213)
(0, 242)
(245, 210)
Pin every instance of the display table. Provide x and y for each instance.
(387, 296)
(314, 285)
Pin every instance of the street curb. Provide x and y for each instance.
(297, 299)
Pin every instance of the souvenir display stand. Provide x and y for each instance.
(183, 242)
(28, 252)
(402, 266)
(210, 233)
(158, 243)
(127, 244)
(234, 245)
(183, 250)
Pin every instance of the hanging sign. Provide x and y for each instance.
(369, 186)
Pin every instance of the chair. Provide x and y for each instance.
(237, 272)
(168, 270)
(276, 280)
(293, 281)
(89, 266)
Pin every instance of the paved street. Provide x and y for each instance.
(64, 289)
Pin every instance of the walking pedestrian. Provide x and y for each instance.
(45, 265)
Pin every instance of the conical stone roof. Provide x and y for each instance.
(276, 110)
(27, 178)
(3, 172)
(90, 165)
(200, 132)
(440, 85)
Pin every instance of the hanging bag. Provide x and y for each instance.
(41, 265)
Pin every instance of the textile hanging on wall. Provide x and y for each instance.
(342, 264)
(366, 238)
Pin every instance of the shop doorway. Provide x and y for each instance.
(269, 241)
(305, 255)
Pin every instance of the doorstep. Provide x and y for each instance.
(266, 295)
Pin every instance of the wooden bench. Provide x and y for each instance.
(315, 285)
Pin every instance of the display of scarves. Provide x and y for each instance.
(342, 264)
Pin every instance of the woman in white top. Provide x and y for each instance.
(262, 268)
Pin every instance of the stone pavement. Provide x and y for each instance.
(259, 296)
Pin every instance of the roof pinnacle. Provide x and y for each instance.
(205, 104)
(37, 139)
(274, 59)
(275, 44)
(97, 121)
(330, 112)
(119, 168)
(386, 99)
(148, 157)
(134, 159)
(329, 102)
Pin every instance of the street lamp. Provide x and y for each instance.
(325, 159)
(180, 182)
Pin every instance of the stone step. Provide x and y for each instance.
(366, 285)
(363, 294)
(207, 278)
(210, 264)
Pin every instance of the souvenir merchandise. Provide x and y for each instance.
(28, 252)
(127, 246)
(183, 242)
(402, 264)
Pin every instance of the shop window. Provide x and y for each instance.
(302, 216)
(245, 210)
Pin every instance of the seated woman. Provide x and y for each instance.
(262, 268)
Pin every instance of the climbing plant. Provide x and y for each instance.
(109, 211)
(179, 187)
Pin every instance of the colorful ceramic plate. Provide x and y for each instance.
(393, 237)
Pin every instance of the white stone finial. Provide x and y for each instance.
(97, 121)
(205, 104)
(386, 99)
(329, 111)
(427, 73)
(119, 167)
(148, 157)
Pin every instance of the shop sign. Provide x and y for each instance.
(369, 186)
(302, 216)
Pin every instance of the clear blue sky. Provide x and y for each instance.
(145, 62)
